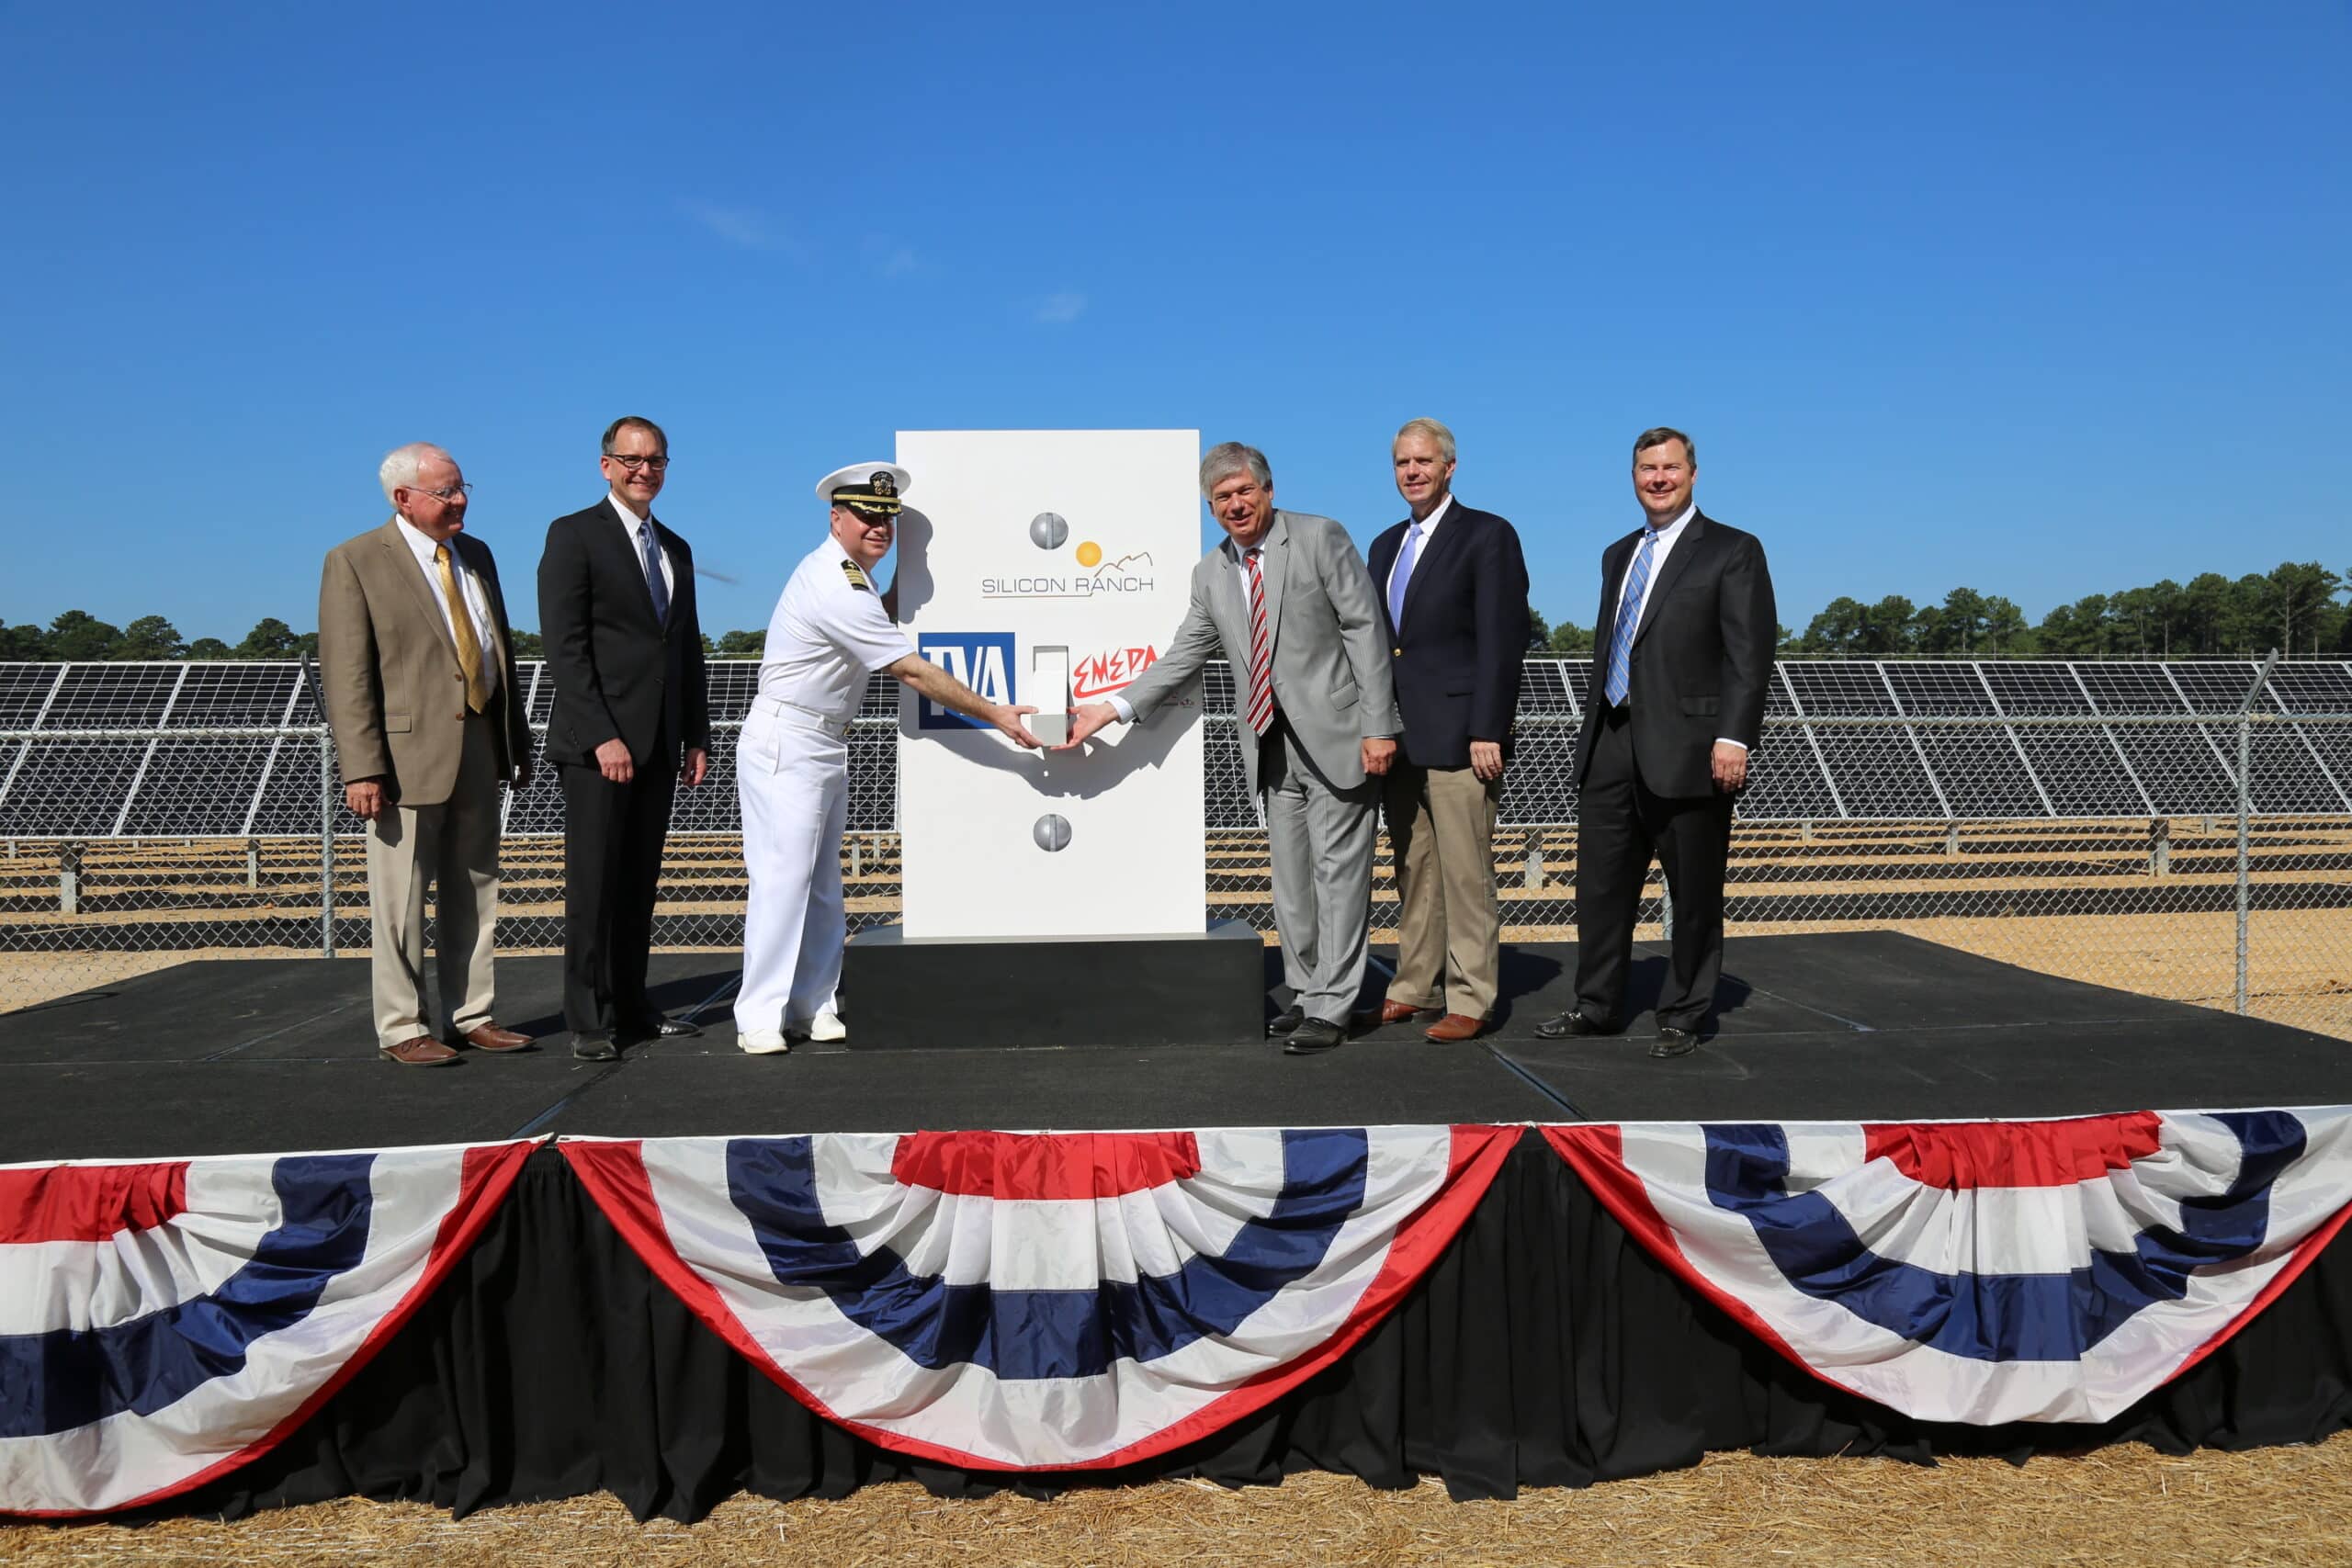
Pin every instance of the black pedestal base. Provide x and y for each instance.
(1208, 989)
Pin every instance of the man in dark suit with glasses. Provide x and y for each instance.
(631, 721)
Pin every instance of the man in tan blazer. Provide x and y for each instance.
(418, 670)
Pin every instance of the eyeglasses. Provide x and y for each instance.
(659, 465)
(444, 496)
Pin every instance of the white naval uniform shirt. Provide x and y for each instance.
(827, 636)
(477, 601)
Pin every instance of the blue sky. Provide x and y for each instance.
(2045, 300)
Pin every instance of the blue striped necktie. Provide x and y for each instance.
(1629, 620)
(653, 583)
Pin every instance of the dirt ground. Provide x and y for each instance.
(2121, 1505)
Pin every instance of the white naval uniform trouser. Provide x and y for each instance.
(792, 780)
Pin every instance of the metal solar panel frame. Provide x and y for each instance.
(2122, 758)
(2284, 703)
(25, 748)
(285, 716)
(2134, 714)
(1812, 741)
(147, 757)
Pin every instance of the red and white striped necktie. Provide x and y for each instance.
(1262, 651)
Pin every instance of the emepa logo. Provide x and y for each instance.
(982, 660)
(1100, 674)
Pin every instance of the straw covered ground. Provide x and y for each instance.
(2126, 1504)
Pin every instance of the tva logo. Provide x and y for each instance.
(982, 660)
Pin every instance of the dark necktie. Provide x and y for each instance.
(653, 583)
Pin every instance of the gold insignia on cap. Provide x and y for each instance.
(883, 484)
(856, 576)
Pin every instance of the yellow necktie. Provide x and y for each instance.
(469, 646)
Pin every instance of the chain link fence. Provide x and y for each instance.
(2182, 831)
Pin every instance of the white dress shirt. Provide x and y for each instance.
(1429, 532)
(477, 600)
(1660, 548)
(629, 521)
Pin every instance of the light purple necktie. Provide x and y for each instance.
(1401, 575)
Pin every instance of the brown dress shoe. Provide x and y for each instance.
(1391, 1011)
(1455, 1026)
(489, 1037)
(422, 1052)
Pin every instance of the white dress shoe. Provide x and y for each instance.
(762, 1041)
(826, 1027)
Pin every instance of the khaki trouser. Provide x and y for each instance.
(453, 845)
(1442, 829)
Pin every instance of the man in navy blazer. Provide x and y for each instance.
(1452, 590)
(1682, 660)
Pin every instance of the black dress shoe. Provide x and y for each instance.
(593, 1048)
(1569, 1025)
(1313, 1036)
(661, 1028)
(1673, 1042)
(1286, 1021)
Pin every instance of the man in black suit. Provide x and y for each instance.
(631, 718)
(1683, 657)
(1453, 607)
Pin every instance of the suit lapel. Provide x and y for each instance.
(1275, 562)
(1228, 601)
(1686, 550)
(425, 597)
(1440, 546)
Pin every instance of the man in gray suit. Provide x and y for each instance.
(1288, 601)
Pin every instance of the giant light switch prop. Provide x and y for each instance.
(1048, 567)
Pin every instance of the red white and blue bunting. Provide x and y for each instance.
(1078, 1301)
(1983, 1272)
(161, 1324)
(1044, 1302)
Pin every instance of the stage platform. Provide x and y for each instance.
(234, 1056)
(1542, 1330)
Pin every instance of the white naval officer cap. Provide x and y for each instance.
(872, 490)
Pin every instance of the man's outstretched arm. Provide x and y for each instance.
(939, 686)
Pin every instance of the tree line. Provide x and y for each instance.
(78, 637)
(2292, 607)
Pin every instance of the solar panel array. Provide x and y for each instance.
(232, 748)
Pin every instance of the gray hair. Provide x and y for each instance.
(1430, 428)
(1658, 436)
(1230, 458)
(401, 464)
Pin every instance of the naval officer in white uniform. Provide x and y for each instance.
(828, 632)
